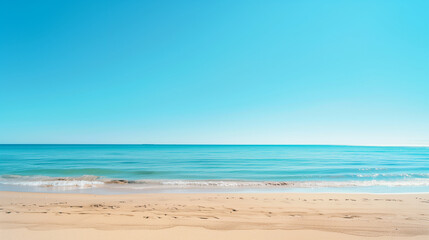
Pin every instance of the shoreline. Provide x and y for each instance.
(342, 216)
(103, 192)
(102, 185)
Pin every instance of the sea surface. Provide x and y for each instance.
(213, 168)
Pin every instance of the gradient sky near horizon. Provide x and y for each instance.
(232, 72)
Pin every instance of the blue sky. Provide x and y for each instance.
(250, 72)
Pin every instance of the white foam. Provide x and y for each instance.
(94, 181)
(289, 184)
(43, 181)
(400, 183)
(212, 183)
(78, 184)
(405, 175)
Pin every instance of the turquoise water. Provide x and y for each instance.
(68, 167)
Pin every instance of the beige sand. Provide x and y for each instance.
(214, 216)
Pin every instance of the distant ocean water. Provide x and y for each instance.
(213, 168)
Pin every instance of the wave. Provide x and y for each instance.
(371, 183)
(91, 181)
(407, 175)
(86, 181)
(290, 184)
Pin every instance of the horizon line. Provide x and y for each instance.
(226, 144)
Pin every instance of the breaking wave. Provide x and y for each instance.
(90, 181)
(57, 182)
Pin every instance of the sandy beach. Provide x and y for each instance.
(214, 216)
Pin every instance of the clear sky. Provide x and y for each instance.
(250, 72)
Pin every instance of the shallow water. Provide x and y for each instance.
(172, 168)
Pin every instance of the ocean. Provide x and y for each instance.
(213, 168)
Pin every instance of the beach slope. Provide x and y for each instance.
(214, 216)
